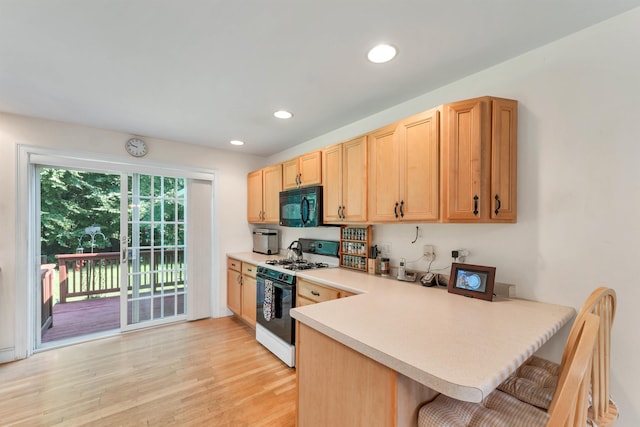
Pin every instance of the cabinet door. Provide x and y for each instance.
(332, 191)
(354, 180)
(504, 158)
(338, 386)
(420, 138)
(310, 165)
(254, 196)
(249, 299)
(234, 291)
(465, 189)
(271, 193)
(384, 175)
(290, 173)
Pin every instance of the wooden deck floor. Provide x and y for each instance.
(210, 372)
(77, 318)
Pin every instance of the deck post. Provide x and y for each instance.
(63, 279)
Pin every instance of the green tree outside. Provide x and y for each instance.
(71, 200)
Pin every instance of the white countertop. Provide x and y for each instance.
(252, 257)
(459, 346)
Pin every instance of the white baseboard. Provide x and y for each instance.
(7, 355)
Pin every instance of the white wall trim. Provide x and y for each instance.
(24, 283)
(7, 355)
(108, 163)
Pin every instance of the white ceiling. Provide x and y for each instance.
(208, 71)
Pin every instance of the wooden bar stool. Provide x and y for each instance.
(535, 381)
(568, 407)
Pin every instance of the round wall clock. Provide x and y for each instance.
(136, 147)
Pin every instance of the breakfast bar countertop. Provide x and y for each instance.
(458, 346)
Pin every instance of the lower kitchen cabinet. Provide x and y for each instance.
(241, 290)
(311, 293)
(249, 289)
(339, 386)
(234, 285)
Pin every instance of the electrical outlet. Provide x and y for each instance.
(459, 255)
(428, 252)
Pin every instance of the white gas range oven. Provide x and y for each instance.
(276, 295)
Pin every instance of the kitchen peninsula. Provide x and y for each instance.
(378, 355)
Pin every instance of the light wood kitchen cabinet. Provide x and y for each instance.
(234, 285)
(404, 170)
(303, 171)
(241, 289)
(263, 195)
(339, 386)
(249, 288)
(344, 171)
(479, 161)
(309, 292)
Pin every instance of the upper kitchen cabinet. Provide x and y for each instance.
(344, 168)
(479, 160)
(303, 171)
(263, 192)
(404, 170)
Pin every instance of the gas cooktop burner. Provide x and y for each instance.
(305, 265)
(297, 265)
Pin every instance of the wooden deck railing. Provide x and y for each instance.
(83, 275)
(46, 280)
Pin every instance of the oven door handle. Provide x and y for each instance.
(283, 286)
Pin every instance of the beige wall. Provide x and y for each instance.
(230, 169)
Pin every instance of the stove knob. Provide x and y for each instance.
(280, 276)
(286, 277)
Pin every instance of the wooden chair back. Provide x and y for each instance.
(571, 399)
(601, 302)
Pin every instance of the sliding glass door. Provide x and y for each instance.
(153, 252)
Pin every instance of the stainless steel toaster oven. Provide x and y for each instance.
(265, 241)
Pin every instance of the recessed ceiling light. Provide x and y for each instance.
(382, 53)
(283, 114)
(236, 142)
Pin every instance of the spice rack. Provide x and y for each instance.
(354, 246)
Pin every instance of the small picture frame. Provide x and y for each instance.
(475, 281)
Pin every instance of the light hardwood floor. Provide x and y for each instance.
(206, 373)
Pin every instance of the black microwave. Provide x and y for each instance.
(301, 207)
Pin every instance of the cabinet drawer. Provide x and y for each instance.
(302, 301)
(316, 292)
(234, 264)
(249, 269)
